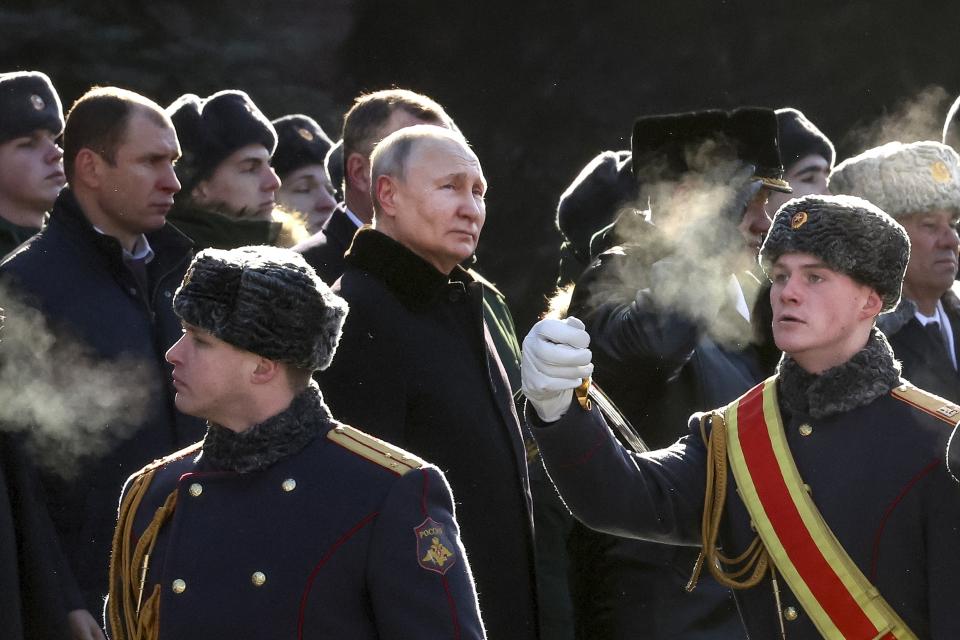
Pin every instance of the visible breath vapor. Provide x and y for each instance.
(687, 262)
(71, 404)
(912, 120)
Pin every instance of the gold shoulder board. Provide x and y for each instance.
(176, 455)
(374, 449)
(928, 403)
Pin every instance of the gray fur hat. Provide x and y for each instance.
(265, 300)
(902, 178)
(849, 234)
(28, 101)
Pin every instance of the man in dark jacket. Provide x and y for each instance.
(102, 274)
(282, 522)
(919, 185)
(821, 495)
(417, 364)
(668, 314)
(31, 162)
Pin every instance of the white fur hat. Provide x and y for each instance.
(902, 178)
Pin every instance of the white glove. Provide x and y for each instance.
(555, 360)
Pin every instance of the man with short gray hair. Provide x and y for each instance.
(919, 185)
(417, 366)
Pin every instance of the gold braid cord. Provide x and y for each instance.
(728, 571)
(130, 617)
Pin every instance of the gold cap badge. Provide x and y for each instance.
(305, 134)
(798, 220)
(37, 102)
(940, 172)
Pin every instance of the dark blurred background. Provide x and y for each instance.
(538, 87)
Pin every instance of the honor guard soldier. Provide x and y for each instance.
(820, 496)
(281, 522)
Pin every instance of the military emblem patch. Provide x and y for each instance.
(305, 134)
(37, 102)
(940, 172)
(435, 552)
(798, 220)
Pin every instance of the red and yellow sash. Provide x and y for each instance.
(829, 586)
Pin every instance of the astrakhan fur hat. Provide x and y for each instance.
(849, 234)
(902, 178)
(28, 102)
(265, 300)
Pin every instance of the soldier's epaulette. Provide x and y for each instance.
(176, 455)
(927, 402)
(374, 449)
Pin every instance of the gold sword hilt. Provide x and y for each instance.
(582, 393)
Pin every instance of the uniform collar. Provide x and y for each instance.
(871, 372)
(270, 441)
(412, 279)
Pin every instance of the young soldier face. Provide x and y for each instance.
(210, 376)
(31, 171)
(819, 314)
(243, 184)
(933, 252)
(308, 190)
(440, 206)
(807, 176)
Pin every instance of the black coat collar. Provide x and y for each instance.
(412, 279)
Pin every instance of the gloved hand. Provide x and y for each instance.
(555, 359)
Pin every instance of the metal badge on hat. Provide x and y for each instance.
(37, 102)
(940, 172)
(799, 219)
(305, 134)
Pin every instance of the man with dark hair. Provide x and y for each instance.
(417, 364)
(276, 466)
(102, 273)
(31, 161)
(372, 117)
(919, 185)
(821, 495)
(229, 190)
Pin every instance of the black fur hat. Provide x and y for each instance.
(667, 146)
(798, 137)
(849, 234)
(265, 300)
(211, 129)
(28, 102)
(300, 142)
(592, 200)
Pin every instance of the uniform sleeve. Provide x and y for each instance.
(656, 496)
(419, 578)
(943, 561)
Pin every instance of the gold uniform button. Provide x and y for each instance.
(790, 614)
(179, 586)
(258, 578)
(195, 489)
(805, 429)
(289, 484)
